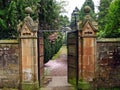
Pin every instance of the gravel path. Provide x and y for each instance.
(57, 67)
(56, 71)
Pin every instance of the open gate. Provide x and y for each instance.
(40, 58)
(72, 46)
(41, 54)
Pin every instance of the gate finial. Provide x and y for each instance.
(28, 10)
(87, 9)
(29, 21)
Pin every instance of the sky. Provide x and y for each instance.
(71, 4)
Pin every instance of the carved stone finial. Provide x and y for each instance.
(28, 10)
(87, 9)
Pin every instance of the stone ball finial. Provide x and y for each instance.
(28, 10)
(87, 9)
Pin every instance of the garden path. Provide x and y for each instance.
(56, 73)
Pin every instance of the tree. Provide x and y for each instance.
(89, 3)
(8, 18)
(50, 19)
(22, 4)
(64, 21)
(112, 27)
(102, 20)
(11, 11)
(49, 14)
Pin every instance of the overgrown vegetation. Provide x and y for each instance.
(11, 12)
(50, 19)
(109, 19)
(51, 48)
(102, 15)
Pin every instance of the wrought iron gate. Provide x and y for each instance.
(40, 58)
(72, 46)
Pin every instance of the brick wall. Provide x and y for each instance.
(9, 63)
(108, 63)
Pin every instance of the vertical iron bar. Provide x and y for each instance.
(77, 59)
(38, 43)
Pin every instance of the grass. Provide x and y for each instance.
(108, 89)
(8, 89)
(63, 50)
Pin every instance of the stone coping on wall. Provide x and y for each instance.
(9, 42)
(111, 40)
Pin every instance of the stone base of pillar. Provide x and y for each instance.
(29, 86)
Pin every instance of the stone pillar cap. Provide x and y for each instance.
(28, 10)
(87, 9)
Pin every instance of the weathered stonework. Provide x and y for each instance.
(87, 51)
(29, 55)
(108, 63)
(9, 64)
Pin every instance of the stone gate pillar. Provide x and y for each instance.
(29, 55)
(87, 47)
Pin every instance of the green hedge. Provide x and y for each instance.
(50, 49)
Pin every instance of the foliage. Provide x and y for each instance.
(49, 14)
(8, 19)
(22, 4)
(50, 49)
(11, 11)
(50, 19)
(64, 21)
(83, 85)
(114, 88)
(112, 27)
(102, 20)
(80, 15)
(87, 3)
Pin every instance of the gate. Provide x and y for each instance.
(40, 58)
(72, 46)
(41, 53)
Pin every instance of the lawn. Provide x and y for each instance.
(63, 50)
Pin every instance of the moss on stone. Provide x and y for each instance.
(8, 41)
(84, 85)
(109, 40)
(30, 86)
